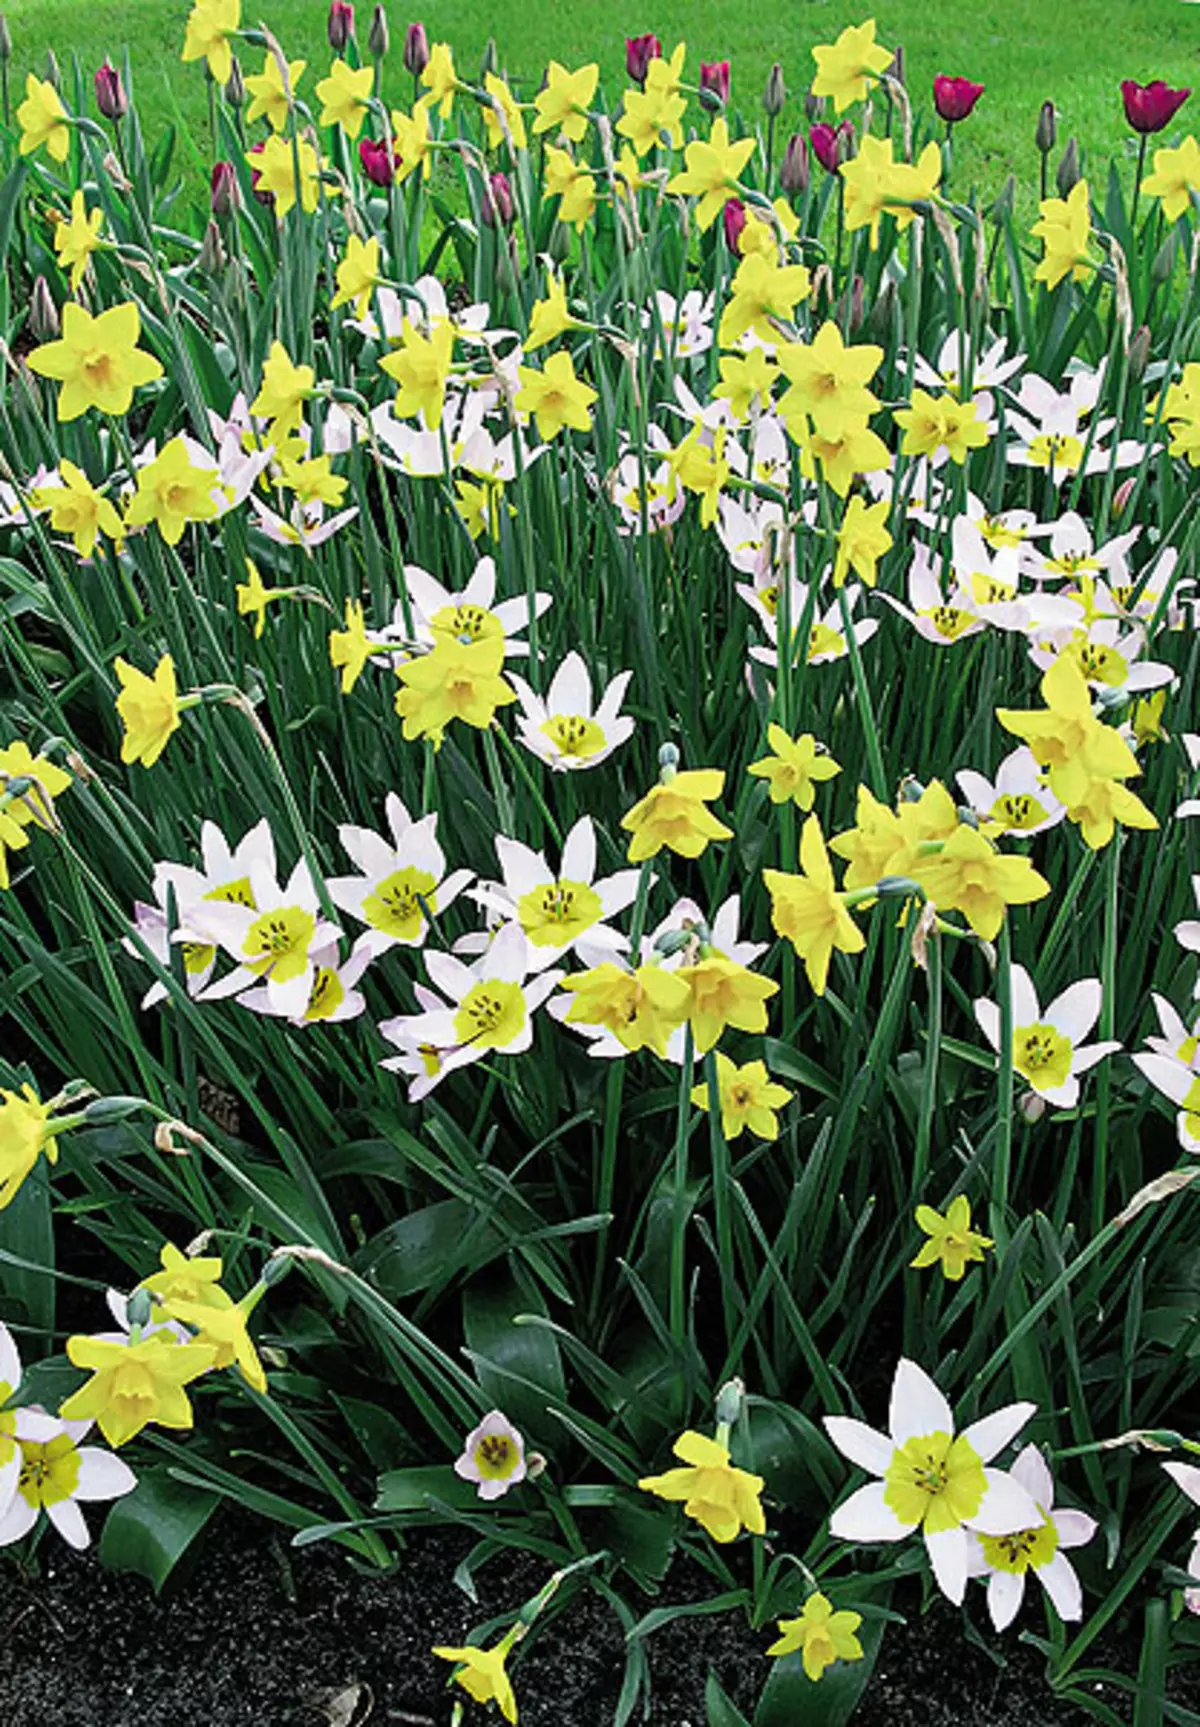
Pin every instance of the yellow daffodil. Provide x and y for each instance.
(421, 368)
(97, 360)
(807, 911)
(794, 769)
(275, 165)
(828, 381)
(313, 481)
(78, 509)
(747, 1097)
(351, 648)
(135, 1383)
(1102, 806)
(440, 78)
(225, 1331)
(846, 68)
(763, 294)
(952, 1242)
(819, 1635)
(675, 814)
(270, 94)
(455, 681)
(1064, 228)
(555, 396)
(172, 491)
(933, 423)
(413, 142)
(562, 104)
(1068, 741)
(284, 390)
(744, 379)
(1175, 179)
(209, 28)
(502, 118)
(863, 539)
(722, 1499)
(357, 274)
(641, 1008)
(26, 1134)
(148, 709)
(969, 875)
(43, 120)
(345, 97)
(711, 171)
(76, 240)
(551, 317)
(877, 186)
(724, 993)
(253, 598)
(185, 1277)
(482, 1675)
(652, 115)
(565, 179)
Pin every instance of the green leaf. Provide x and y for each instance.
(518, 1366)
(721, 1712)
(27, 1232)
(150, 1531)
(426, 1249)
(414, 1489)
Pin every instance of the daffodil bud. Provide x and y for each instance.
(138, 1309)
(53, 73)
(911, 790)
(895, 887)
(276, 1269)
(378, 37)
(668, 762)
(490, 61)
(729, 1402)
(235, 84)
(1139, 354)
(211, 256)
(1046, 135)
(1164, 260)
(795, 170)
(1068, 173)
(44, 324)
(102, 1110)
(775, 94)
(878, 322)
(5, 39)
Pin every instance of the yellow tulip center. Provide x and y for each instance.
(399, 904)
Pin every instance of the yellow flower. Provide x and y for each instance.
(172, 492)
(562, 105)
(36, 805)
(748, 1098)
(502, 119)
(1066, 738)
(794, 768)
(482, 1675)
(952, 1241)
(711, 171)
(743, 377)
(12, 838)
(97, 360)
(253, 598)
(675, 814)
(845, 68)
(351, 648)
(722, 1499)
(1065, 227)
(876, 186)
(565, 179)
(1175, 179)
(187, 1278)
(554, 396)
(413, 141)
(440, 78)
(276, 169)
(724, 993)
(652, 114)
(762, 294)
(828, 381)
(455, 681)
(421, 367)
(148, 709)
(357, 274)
(820, 1635)
(700, 467)
(284, 390)
(270, 95)
(971, 876)
(211, 24)
(313, 481)
(77, 508)
(806, 910)
(933, 423)
(641, 1008)
(43, 120)
(133, 1384)
(1103, 804)
(345, 96)
(862, 540)
(225, 1331)
(551, 317)
(76, 240)
(1147, 719)
(25, 1134)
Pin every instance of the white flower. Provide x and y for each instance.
(752, 533)
(1182, 1085)
(937, 616)
(665, 501)
(493, 1456)
(931, 1480)
(1187, 931)
(16, 1425)
(989, 368)
(1048, 1048)
(1187, 1476)
(490, 1009)
(1106, 657)
(1049, 424)
(1073, 552)
(922, 494)
(563, 727)
(334, 997)
(57, 1475)
(826, 636)
(471, 614)
(1005, 1560)
(400, 885)
(1175, 1040)
(562, 913)
(1017, 802)
(306, 526)
(686, 324)
(274, 938)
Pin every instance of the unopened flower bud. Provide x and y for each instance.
(211, 256)
(5, 39)
(714, 84)
(416, 49)
(639, 51)
(497, 202)
(376, 164)
(223, 189)
(1046, 135)
(490, 61)
(110, 92)
(138, 1309)
(734, 217)
(896, 69)
(1032, 1106)
(1164, 260)
(341, 25)
(1139, 354)
(814, 108)
(103, 1110)
(775, 94)
(44, 323)
(1123, 494)
(795, 170)
(235, 84)
(668, 757)
(535, 1465)
(878, 322)
(1068, 174)
(378, 38)
(276, 1269)
(851, 306)
(729, 1402)
(53, 73)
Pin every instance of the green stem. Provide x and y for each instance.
(1108, 1009)
(1002, 1157)
(678, 1296)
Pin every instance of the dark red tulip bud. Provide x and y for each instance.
(795, 170)
(497, 204)
(416, 49)
(110, 92)
(378, 36)
(1047, 128)
(1150, 107)
(341, 25)
(639, 51)
(954, 98)
(375, 162)
(832, 145)
(714, 80)
(735, 220)
(223, 189)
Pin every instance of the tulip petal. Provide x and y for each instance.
(1006, 1507)
(1058, 1579)
(861, 1444)
(948, 1555)
(917, 1406)
(865, 1517)
(1006, 1591)
(995, 1431)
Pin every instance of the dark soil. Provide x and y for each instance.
(262, 1635)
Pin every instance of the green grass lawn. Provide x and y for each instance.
(1076, 52)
